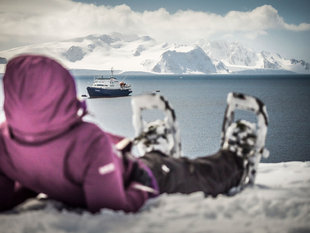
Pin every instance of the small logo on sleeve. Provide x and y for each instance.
(106, 169)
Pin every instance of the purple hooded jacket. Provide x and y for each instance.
(46, 147)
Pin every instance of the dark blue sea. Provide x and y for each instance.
(200, 101)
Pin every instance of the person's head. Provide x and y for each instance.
(40, 97)
(241, 138)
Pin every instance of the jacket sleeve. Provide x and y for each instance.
(6, 192)
(104, 181)
(114, 138)
(12, 193)
(6, 184)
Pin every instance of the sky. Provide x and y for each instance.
(281, 26)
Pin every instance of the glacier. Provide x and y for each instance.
(131, 53)
(194, 61)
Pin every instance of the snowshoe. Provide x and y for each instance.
(159, 135)
(244, 138)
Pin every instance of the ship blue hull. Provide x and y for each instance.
(100, 92)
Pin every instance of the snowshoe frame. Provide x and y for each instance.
(143, 129)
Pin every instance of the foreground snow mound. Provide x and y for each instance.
(279, 202)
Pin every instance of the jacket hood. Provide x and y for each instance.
(39, 98)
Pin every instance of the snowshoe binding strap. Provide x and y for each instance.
(244, 138)
(159, 135)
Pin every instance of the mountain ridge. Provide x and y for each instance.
(145, 55)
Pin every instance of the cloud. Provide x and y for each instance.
(34, 21)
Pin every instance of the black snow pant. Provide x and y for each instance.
(212, 174)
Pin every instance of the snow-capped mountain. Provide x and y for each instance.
(193, 61)
(231, 53)
(237, 58)
(144, 54)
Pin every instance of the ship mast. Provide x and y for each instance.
(112, 72)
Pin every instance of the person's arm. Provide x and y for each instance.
(114, 138)
(12, 193)
(104, 182)
(6, 192)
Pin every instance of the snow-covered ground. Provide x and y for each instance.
(279, 202)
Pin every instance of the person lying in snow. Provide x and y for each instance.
(46, 147)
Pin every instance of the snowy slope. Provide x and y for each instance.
(231, 53)
(194, 61)
(144, 54)
(279, 202)
(239, 59)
